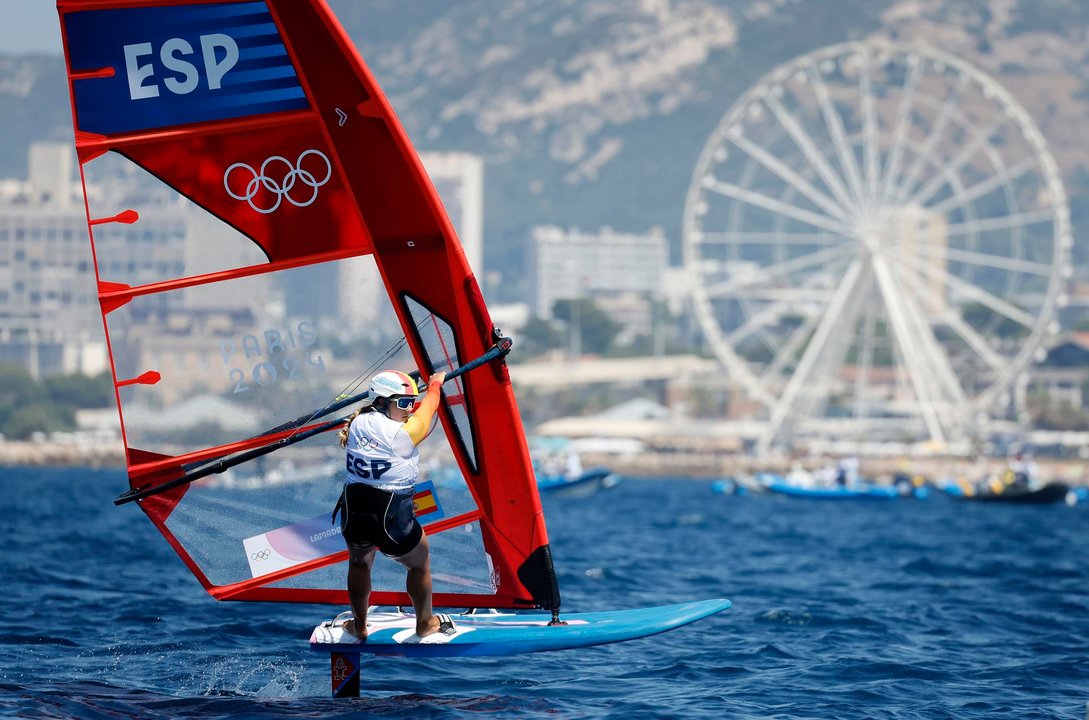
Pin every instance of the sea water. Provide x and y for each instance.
(896, 609)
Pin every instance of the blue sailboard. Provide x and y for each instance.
(492, 633)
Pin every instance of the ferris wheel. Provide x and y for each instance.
(879, 238)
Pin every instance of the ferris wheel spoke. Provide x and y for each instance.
(771, 238)
(771, 272)
(817, 346)
(915, 298)
(976, 342)
(790, 177)
(813, 400)
(834, 124)
(936, 130)
(996, 261)
(777, 294)
(865, 357)
(790, 348)
(869, 125)
(972, 292)
(961, 199)
(780, 300)
(809, 148)
(920, 373)
(951, 168)
(1006, 222)
(775, 205)
(903, 113)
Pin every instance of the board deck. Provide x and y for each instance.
(509, 633)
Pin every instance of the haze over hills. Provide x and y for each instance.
(594, 112)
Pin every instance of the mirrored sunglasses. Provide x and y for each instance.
(405, 402)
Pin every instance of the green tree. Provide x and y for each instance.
(536, 338)
(39, 417)
(596, 329)
(17, 389)
(80, 391)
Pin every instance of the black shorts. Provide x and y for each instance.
(377, 518)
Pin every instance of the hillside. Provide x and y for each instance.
(593, 112)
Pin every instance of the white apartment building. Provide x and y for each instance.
(569, 264)
(49, 322)
(459, 180)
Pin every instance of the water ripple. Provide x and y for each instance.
(912, 610)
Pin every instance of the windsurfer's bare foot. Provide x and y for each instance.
(428, 627)
(350, 628)
(436, 624)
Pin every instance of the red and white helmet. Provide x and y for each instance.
(392, 382)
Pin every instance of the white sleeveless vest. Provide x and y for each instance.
(372, 458)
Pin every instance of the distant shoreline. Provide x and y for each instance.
(693, 464)
(21, 453)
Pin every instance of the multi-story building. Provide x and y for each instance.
(459, 180)
(49, 317)
(570, 264)
(49, 321)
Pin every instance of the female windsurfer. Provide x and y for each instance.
(376, 504)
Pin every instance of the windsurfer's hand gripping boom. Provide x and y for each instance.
(500, 349)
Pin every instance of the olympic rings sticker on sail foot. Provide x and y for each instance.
(280, 185)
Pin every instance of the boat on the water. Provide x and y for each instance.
(1000, 491)
(859, 489)
(583, 484)
(559, 470)
(740, 484)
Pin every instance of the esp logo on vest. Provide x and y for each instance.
(366, 469)
(218, 54)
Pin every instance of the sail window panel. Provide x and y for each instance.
(223, 519)
(439, 342)
(275, 513)
(237, 357)
(459, 565)
(438, 467)
(172, 237)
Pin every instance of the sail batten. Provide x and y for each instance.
(88, 142)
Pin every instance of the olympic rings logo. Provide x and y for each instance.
(261, 555)
(280, 184)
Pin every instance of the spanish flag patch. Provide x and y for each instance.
(426, 503)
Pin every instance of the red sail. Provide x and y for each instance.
(265, 120)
